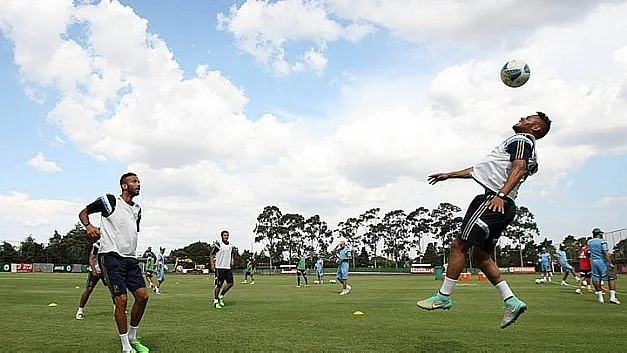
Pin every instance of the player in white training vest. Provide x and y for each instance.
(118, 233)
(222, 264)
(500, 173)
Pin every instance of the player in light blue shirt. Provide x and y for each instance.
(160, 270)
(566, 267)
(343, 255)
(602, 267)
(544, 259)
(320, 270)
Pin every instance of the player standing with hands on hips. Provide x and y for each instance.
(118, 233)
(500, 173)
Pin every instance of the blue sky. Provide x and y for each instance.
(394, 77)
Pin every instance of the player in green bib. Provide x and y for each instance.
(249, 272)
(301, 270)
(150, 270)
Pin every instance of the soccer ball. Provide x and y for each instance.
(316, 282)
(515, 73)
(538, 281)
(332, 281)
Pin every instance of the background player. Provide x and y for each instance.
(249, 272)
(222, 264)
(585, 268)
(566, 267)
(320, 270)
(160, 270)
(301, 270)
(118, 233)
(343, 255)
(150, 268)
(544, 259)
(94, 276)
(602, 267)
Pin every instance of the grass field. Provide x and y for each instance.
(275, 316)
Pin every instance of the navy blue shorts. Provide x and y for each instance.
(223, 275)
(483, 227)
(121, 273)
(92, 280)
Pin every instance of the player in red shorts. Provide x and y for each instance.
(584, 267)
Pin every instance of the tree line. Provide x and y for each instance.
(378, 239)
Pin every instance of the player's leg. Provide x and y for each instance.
(611, 280)
(160, 280)
(339, 276)
(304, 273)
(245, 277)
(92, 281)
(113, 268)
(228, 278)
(137, 286)
(220, 277)
(252, 278)
(459, 250)
(597, 276)
(298, 278)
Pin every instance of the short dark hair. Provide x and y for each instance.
(224, 231)
(126, 175)
(546, 122)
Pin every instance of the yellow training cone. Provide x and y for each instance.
(52, 304)
(358, 313)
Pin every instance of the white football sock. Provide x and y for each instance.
(600, 296)
(504, 289)
(126, 344)
(80, 311)
(612, 294)
(448, 286)
(132, 333)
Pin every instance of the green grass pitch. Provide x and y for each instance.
(275, 316)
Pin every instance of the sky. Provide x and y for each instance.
(327, 107)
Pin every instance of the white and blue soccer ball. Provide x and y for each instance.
(332, 281)
(540, 280)
(515, 73)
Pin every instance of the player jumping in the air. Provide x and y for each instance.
(250, 271)
(301, 270)
(500, 173)
(602, 267)
(320, 270)
(222, 264)
(585, 268)
(118, 233)
(94, 276)
(343, 255)
(544, 259)
(566, 267)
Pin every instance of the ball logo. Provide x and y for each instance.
(68, 268)
(7, 267)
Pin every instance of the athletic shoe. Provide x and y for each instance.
(348, 288)
(578, 291)
(436, 301)
(253, 282)
(131, 351)
(614, 301)
(79, 316)
(217, 305)
(139, 347)
(244, 282)
(514, 307)
(343, 292)
(221, 302)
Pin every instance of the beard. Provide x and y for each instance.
(517, 129)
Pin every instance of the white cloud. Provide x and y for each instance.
(39, 162)
(263, 29)
(611, 201)
(205, 165)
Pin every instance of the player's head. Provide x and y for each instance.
(342, 244)
(162, 250)
(562, 247)
(129, 182)
(597, 233)
(544, 249)
(537, 125)
(224, 235)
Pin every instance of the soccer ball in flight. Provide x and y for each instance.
(515, 73)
